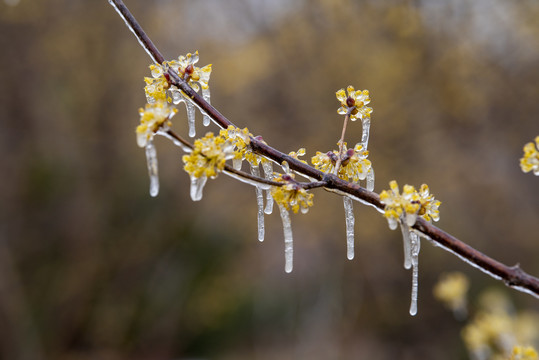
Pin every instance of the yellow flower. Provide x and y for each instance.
(451, 290)
(157, 85)
(296, 155)
(429, 205)
(209, 156)
(523, 353)
(185, 67)
(354, 103)
(291, 195)
(241, 138)
(354, 163)
(530, 160)
(152, 117)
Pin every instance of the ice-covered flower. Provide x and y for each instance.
(354, 163)
(152, 117)
(291, 195)
(400, 207)
(354, 103)
(241, 138)
(428, 205)
(208, 156)
(193, 75)
(157, 85)
(530, 160)
(297, 154)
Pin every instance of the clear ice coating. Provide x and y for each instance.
(267, 166)
(407, 245)
(370, 179)
(236, 164)
(206, 120)
(175, 141)
(366, 124)
(151, 160)
(349, 216)
(255, 171)
(288, 240)
(415, 245)
(197, 185)
(190, 118)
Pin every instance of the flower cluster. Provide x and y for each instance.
(291, 195)
(354, 163)
(209, 156)
(523, 353)
(354, 103)
(530, 160)
(451, 291)
(152, 117)
(407, 206)
(157, 85)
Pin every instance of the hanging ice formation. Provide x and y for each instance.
(206, 120)
(177, 97)
(267, 166)
(415, 245)
(151, 160)
(255, 171)
(349, 216)
(197, 185)
(370, 179)
(288, 240)
(366, 124)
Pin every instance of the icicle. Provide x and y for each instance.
(255, 171)
(288, 241)
(151, 160)
(415, 245)
(206, 96)
(197, 185)
(191, 118)
(236, 164)
(366, 124)
(286, 167)
(268, 174)
(407, 245)
(349, 216)
(370, 179)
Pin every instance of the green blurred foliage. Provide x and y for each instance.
(91, 267)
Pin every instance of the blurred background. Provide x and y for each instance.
(92, 267)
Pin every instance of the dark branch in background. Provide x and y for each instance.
(513, 277)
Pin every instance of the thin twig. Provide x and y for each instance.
(513, 277)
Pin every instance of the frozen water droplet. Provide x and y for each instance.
(197, 185)
(190, 118)
(366, 124)
(268, 174)
(151, 161)
(407, 245)
(255, 171)
(370, 179)
(349, 217)
(177, 96)
(288, 240)
(415, 245)
(236, 164)
(286, 167)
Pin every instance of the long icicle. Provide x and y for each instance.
(407, 245)
(267, 166)
(349, 217)
(416, 244)
(255, 171)
(370, 179)
(151, 161)
(288, 240)
(206, 120)
(366, 124)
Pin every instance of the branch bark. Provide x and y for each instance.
(512, 276)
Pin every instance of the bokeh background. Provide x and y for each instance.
(92, 267)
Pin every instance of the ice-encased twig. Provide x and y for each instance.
(288, 240)
(366, 124)
(370, 179)
(349, 217)
(175, 141)
(151, 161)
(197, 185)
(407, 245)
(267, 166)
(255, 171)
(415, 246)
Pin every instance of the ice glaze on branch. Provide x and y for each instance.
(513, 277)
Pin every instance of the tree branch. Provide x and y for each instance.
(513, 277)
